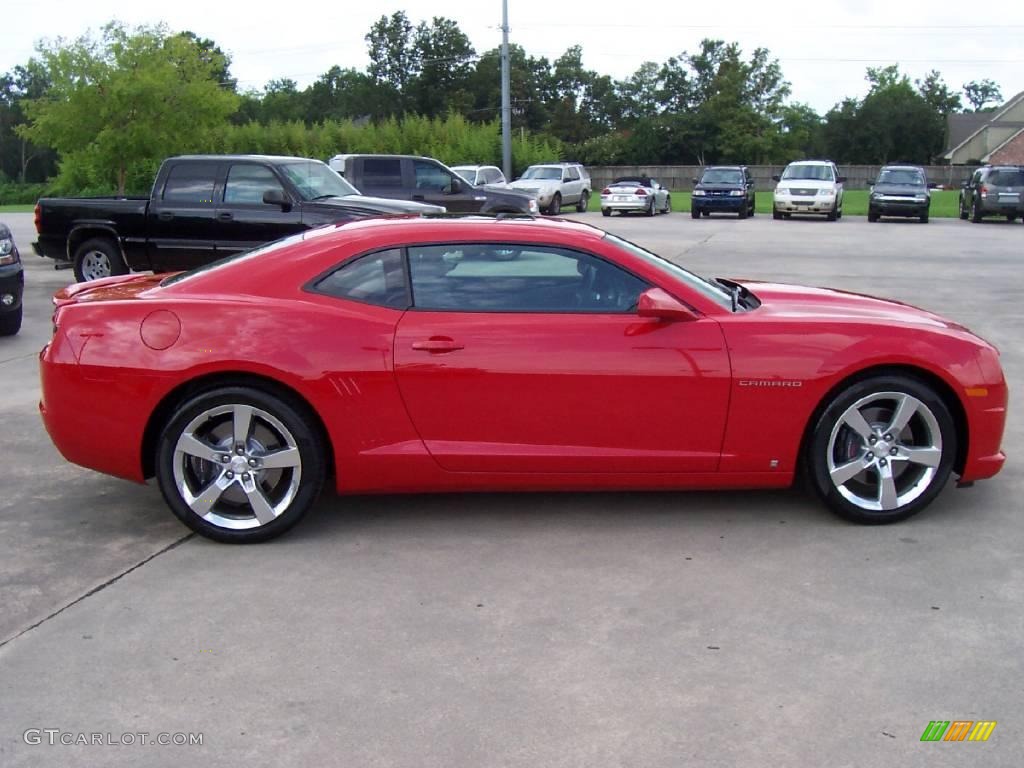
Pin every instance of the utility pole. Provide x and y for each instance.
(506, 97)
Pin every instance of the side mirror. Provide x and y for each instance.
(696, 181)
(841, 179)
(776, 177)
(277, 197)
(656, 302)
(457, 187)
(932, 185)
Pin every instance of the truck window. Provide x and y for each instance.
(382, 172)
(190, 183)
(246, 184)
(430, 176)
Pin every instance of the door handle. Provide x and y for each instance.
(437, 345)
(226, 216)
(165, 215)
(418, 197)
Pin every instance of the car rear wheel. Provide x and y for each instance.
(556, 205)
(239, 465)
(963, 209)
(668, 204)
(882, 449)
(96, 258)
(606, 211)
(584, 203)
(10, 322)
(975, 212)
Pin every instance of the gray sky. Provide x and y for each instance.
(824, 48)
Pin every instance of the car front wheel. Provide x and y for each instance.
(556, 205)
(240, 465)
(882, 449)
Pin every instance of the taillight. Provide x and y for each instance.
(37, 217)
(640, 192)
(984, 191)
(606, 191)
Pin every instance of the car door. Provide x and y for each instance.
(433, 183)
(244, 221)
(538, 362)
(572, 186)
(181, 220)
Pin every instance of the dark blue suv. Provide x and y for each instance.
(12, 283)
(723, 189)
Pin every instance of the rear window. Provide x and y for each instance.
(382, 172)
(190, 183)
(1007, 177)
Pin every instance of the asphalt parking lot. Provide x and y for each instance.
(667, 629)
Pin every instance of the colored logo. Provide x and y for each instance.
(958, 730)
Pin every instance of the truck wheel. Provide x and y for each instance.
(556, 205)
(98, 257)
(10, 322)
(584, 203)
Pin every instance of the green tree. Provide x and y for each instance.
(394, 60)
(125, 100)
(982, 92)
(20, 158)
(934, 90)
(445, 58)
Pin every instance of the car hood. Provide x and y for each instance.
(899, 189)
(378, 204)
(539, 185)
(803, 303)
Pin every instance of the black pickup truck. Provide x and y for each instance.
(202, 207)
(410, 177)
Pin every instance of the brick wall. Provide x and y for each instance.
(1011, 154)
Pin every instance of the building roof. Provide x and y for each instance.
(985, 159)
(993, 117)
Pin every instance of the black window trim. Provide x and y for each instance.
(514, 244)
(285, 187)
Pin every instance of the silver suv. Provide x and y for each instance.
(995, 190)
(555, 185)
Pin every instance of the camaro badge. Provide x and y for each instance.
(770, 383)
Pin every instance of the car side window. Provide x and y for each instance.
(376, 278)
(574, 174)
(382, 172)
(246, 184)
(492, 277)
(432, 177)
(190, 183)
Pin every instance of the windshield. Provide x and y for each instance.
(315, 179)
(467, 172)
(808, 172)
(543, 173)
(705, 287)
(721, 176)
(907, 176)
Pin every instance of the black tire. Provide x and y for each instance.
(668, 204)
(832, 439)
(10, 322)
(753, 207)
(742, 212)
(706, 214)
(231, 504)
(694, 213)
(963, 209)
(923, 218)
(650, 208)
(98, 257)
(1011, 218)
(833, 214)
(584, 203)
(556, 205)
(976, 216)
(872, 217)
(775, 214)
(606, 211)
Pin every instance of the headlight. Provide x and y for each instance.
(826, 193)
(698, 193)
(534, 208)
(782, 190)
(736, 193)
(922, 197)
(876, 195)
(7, 251)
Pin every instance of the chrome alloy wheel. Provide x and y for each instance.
(237, 466)
(884, 451)
(95, 265)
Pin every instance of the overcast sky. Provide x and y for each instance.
(823, 47)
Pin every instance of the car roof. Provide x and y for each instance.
(812, 162)
(724, 167)
(261, 158)
(902, 167)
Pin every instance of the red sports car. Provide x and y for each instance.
(470, 354)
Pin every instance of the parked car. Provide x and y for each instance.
(409, 177)
(900, 190)
(723, 188)
(12, 283)
(640, 194)
(995, 190)
(586, 363)
(556, 185)
(809, 186)
(481, 175)
(201, 207)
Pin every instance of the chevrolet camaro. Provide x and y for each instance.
(429, 354)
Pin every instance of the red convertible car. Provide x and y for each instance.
(472, 354)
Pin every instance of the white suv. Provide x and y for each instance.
(809, 186)
(555, 185)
